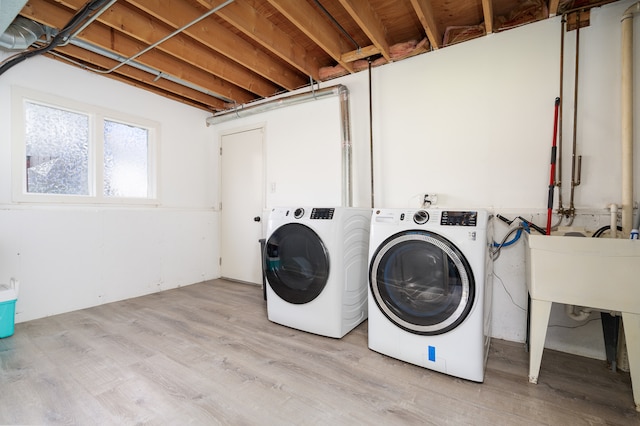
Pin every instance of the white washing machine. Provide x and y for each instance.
(430, 288)
(315, 266)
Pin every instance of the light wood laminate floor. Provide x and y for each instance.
(206, 354)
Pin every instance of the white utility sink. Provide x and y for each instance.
(599, 273)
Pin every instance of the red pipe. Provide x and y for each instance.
(552, 177)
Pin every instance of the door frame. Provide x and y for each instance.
(262, 126)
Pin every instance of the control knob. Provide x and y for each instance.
(421, 217)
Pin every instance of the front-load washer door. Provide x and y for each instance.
(296, 263)
(421, 282)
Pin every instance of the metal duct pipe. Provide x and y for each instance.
(627, 118)
(273, 104)
(80, 16)
(21, 34)
(159, 74)
(38, 30)
(345, 130)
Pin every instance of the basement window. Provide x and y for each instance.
(126, 160)
(57, 150)
(68, 152)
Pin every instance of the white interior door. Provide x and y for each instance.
(242, 195)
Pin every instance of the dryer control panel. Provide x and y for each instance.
(466, 218)
(326, 213)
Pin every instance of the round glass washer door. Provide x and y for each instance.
(296, 263)
(422, 282)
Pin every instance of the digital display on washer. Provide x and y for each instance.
(317, 213)
(452, 218)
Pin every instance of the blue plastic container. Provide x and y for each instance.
(8, 297)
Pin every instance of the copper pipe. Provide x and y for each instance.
(558, 177)
(575, 182)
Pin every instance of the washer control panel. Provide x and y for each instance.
(326, 213)
(465, 218)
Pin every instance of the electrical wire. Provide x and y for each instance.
(584, 323)
(602, 230)
(337, 24)
(508, 293)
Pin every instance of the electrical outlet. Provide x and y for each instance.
(429, 199)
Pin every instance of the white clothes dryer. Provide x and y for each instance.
(430, 288)
(315, 266)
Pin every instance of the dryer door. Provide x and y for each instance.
(296, 263)
(422, 282)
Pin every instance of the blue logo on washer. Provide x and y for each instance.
(432, 353)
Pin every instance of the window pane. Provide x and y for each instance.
(125, 160)
(57, 151)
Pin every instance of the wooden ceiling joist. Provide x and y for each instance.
(107, 38)
(218, 39)
(186, 50)
(132, 74)
(363, 53)
(251, 23)
(425, 14)
(213, 53)
(553, 7)
(487, 11)
(370, 23)
(315, 26)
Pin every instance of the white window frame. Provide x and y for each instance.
(97, 116)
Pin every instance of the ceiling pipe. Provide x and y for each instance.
(162, 40)
(114, 56)
(575, 173)
(371, 159)
(627, 117)
(337, 24)
(84, 13)
(21, 34)
(273, 104)
(24, 32)
(558, 177)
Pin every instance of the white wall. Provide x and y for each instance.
(71, 257)
(473, 123)
(302, 152)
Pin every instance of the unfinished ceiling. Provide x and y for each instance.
(213, 54)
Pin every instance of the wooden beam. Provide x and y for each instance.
(216, 37)
(370, 23)
(130, 21)
(136, 77)
(425, 14)
(253, 24)
(365, 52)
(315, 26)
(487, 10)
(553, 7)
(109, 39)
